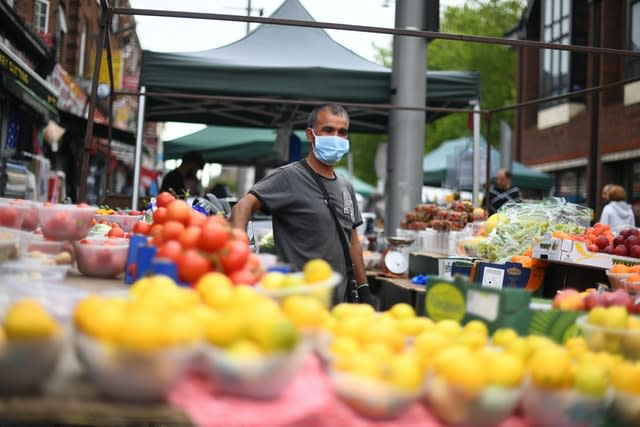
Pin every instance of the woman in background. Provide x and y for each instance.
(617, 213)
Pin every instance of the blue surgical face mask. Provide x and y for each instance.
(330, 149)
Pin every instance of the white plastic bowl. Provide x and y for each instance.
(621, 341)
(132, 376)
(563, 408)
(97, 257)
(456, 408)
(65, 222)
(259, 378)
(370, 398)
(125, 221)
(25, 365)
(322, 290)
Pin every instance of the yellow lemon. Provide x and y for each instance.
(577, 346)
(227, 328)
(459, 368)
(344, 310)
(244, 349)
(273, 280)
(626, 377)
(85, 309)
(382, 332)
(477, 326)
(473, 339)
(351, 326)
(503, 337)
(140, 286)
(556, 375)
(183, 328)
(144, 331)
(448, 327)
(380, 350)
(274, 333)
(402, 310)
(344, 346)
(317, 270)
(505, 370)
(27, 319)
(404, 372)
(215, 289)
(365, 365)
(414, 326)
(304, 311)
(428, 344)
(592, 380)
(105, 321)
(205, 315)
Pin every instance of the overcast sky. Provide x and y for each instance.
(181, 35)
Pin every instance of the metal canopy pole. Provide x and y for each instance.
(476, 154)
(406, 128)
(105, 22)
(138, 153)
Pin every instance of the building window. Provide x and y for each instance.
(83, 49)
(572, 185)
(633, 64)
(41, 15)
(556, 28)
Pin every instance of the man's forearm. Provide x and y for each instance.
(356, 257)
(240, 214)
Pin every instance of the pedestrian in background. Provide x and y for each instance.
(617, 213)
(502, 192)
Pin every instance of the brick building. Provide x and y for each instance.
(585, 141)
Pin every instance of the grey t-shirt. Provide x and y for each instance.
(303, 227)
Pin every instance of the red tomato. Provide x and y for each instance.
(31, 220)
(190, 237)
(233, 256)
(179, 210)
(213, 236)
(115, 232)
(83, 205)
(155, 229)
(164, 199)
(218, 219)
(171, 230)
(197, 218)
(243, 276)
(142, 227)
(241, 235)
(160, 216)
(9, 217)
(192, 265)
(170, 250)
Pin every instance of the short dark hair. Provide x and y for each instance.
(194, 158)
(336, 109)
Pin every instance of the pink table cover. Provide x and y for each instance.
(307, 402)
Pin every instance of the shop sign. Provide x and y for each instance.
(72, 98)
(11, 67)
(103, 77)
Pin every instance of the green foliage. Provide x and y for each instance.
(495, 63)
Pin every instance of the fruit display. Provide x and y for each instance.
(625, 408)
(125, 220)
(520, 224)
(626, 243)
(12, 214)
(571, 299)
(316, 280)
(30, 345)
(101, 257)
(454, 217)
(65, 222)
(612, 329)
(622, 276)
(199, 244)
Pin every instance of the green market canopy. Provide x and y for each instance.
(287, 62)
(448, 155)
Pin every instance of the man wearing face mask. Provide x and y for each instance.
(304, 227)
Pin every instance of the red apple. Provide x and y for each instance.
(593, 299)
(618, 240)
(634, 232)
(620, 250)
(568, 299)
(625, 232)
(602, 241)
(632, 241)
(634, 251)
(609, 249)
(621, 298)
(593, 248)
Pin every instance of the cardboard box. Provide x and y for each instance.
(435, 265)
(574, 252)
(499, 308)
(508, 275)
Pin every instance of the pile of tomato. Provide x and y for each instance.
(198, 243)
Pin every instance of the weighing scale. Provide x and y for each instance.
(395, 258)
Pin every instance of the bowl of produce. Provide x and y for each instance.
(27, 269)
(131, 375)
(279, 286)
(101, 257)
(30, 346)
(372, 398)
(563, 408)
(65, 222)
(12, 214)
(40, 244)
(126, 220)
(613, 330)
(631, 283)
